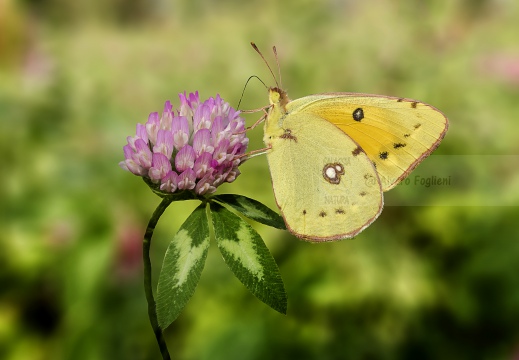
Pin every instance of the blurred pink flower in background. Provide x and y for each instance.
(502, 67)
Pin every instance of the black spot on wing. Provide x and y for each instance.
(358, 114)
(322, 214)
(383, 155)
(407, 135)
(398, 145)
(357, 151)
(340, 211)
(363, 193)
(413, 104)
(288, 135)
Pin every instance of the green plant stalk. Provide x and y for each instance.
(148, 289)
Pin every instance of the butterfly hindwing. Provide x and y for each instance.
(395, 133)
(325, 185)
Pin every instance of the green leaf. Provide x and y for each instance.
(248, 258)
(252, 209)
(182, 266)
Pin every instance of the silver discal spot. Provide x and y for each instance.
(332, 172)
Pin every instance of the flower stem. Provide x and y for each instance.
(148, 289)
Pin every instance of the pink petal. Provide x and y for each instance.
(186, 180)
(202, 142)
(143, 155)
(167, 116)
(169, 182)
(160, 167)
(164, 143)
(180, 131)
(152, 126)
(220, 152)
(204, 164)
(185, 158)
(205, 185)
(202, 118)
(141, 132)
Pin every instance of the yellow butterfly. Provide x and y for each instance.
(332, 155)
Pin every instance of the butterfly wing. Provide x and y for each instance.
(395, 133)
(324, 186)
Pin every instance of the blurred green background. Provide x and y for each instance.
(439, 280)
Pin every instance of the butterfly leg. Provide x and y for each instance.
(264, 109)
(259, 121)
(254, 153)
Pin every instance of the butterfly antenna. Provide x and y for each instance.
(279, 68)
(265, 61)
(245, 87)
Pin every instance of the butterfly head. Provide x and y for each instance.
(278, 98)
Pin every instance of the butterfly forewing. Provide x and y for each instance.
(395, 133)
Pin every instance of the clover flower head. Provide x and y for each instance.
(196, 147)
